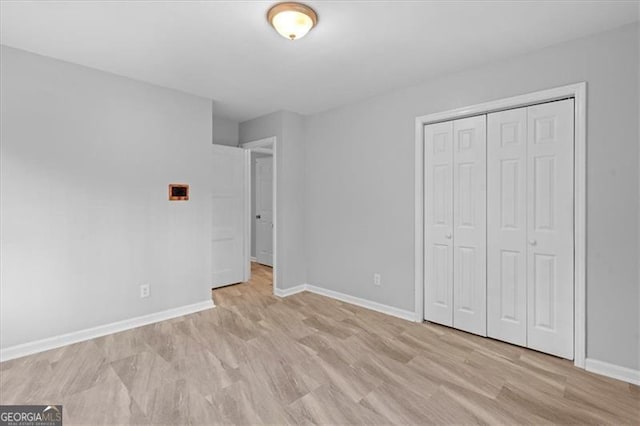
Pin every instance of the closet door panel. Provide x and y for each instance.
(438, 208)
(506, 226)
(550, 228)
(469, 224)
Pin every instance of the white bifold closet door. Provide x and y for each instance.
(507, 226)
(469, 225)
(530, 227)
(438, 208)
(455, 223)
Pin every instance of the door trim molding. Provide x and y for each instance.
(264, 145)
(576, 91)
(247, 223)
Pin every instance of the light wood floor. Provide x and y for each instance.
(257, 358)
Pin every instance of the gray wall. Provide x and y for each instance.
(288, 129)
(360, 181)
(86, 160)
(225, 131)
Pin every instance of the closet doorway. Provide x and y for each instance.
(500, 220)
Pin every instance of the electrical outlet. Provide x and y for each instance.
(377, 279)
(144, 290)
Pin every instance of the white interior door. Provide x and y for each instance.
(264, 210)
(230, 210)
(507, 226)
(438, 227)
(469, 224)
(550, 227)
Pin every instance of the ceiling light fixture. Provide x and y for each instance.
(292, 20)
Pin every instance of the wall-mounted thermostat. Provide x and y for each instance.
(178, 192)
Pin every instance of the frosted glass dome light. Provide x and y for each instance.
(292, 20)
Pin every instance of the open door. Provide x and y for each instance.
(230, 212)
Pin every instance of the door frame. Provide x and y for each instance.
(576, 91)
(267, 146)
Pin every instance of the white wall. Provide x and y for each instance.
(359, 183)
(288, 129)
(86, 160)
(225, 131)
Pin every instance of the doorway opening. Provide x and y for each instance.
(263, 211)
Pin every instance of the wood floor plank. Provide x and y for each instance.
(327, 405)
(308, 359)
(116, 407)
(204, 372)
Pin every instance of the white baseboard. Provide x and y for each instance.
(374, 306)
(284, 292)
(614, 371)
(101, 330)
(253, 259)
(368, 304)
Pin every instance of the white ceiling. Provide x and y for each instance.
(227, 51)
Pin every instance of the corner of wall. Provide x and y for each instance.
(224, 131)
